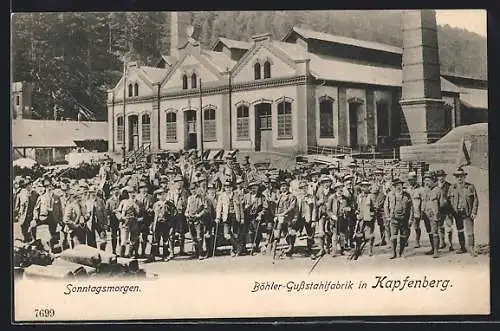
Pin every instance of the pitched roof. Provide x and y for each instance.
(474, 98)
(169, 59)
(47, 133)
(231, 43)
(155, 75)
(294, 51)
(310, 34)
(330, 68)
(220, 60)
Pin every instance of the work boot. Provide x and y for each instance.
(435, 253)
(402, 245)
(418, 233)
(461, 241)
(450, 241)
(442, 244)
(431, 241)
(113, 245)
(472, 248)
(394, 243)
(152, 254)
(182, 251)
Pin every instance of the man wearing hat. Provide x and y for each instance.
(378, 191)
(322, 217)
(416, 195)
(229, 169)
(230, 211)
(431, 196)
(464, 204)
(398, 208)
(446, 220)
(46, 208)
(96, 218)
(305, 208)
(196, 213)
(112, 219)
(179, 196)
(212, 198)
(365, 215)
(335, 209)
(255, 208)
(284, 218)
(162, 227)
(145, 202)
(128, 212)
(25, 205)
(350, 195)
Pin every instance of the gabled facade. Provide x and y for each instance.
(268, 95)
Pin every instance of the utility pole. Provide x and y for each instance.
(124, 117)
(201, 120)
(230, 109)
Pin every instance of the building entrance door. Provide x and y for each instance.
(191, 135)
(133, 132)
(263, 127)
(353, 124)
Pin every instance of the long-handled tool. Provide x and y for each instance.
(255, 237)
(215, 238)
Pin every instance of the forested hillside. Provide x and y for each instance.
(72, 58)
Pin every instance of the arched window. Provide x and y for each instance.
(171, 127)
(256, 69)
(193, 80)
(184, 82)
(267, 69)
(130, 90)
(120, 129)
(209, 125)
(146, 128)
(136, 89)
(326, 118)
(284, 120)
(242, 122)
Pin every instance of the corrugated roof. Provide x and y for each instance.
(310, 34)
(231, 43)
(220, 60)
(45, 133)
(330, 68)
(474, 98)
(156, 75)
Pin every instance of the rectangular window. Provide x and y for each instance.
(285, 120)
(242, 122)
(120, 132)
(146, 128)
(326, 119)
(171, 127)
(209, 125)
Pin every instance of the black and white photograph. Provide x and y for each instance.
(305, 163)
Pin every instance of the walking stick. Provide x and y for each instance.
(215, 238)
(316, 263)
(255, 237)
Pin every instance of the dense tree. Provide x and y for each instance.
(72, 58)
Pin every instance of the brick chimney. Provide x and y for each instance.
(179, 22)
(421, 100)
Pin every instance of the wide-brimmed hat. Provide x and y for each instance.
(348, 178)
(325, 178)
(337, 185)
(130, 189)
(143, 184)
(378, 172)
(412, 174)
(303, 185)
(228, 183)
(253, 183)
(178, 178)
(459, 172)
(365, 183)
(397, 181)
(159, 191)
(428, 175)
(441, 173)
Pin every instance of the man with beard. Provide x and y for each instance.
(446, 220)
(196, 212)
(129, 230)
(179, 196)
(47, 206)
(323, 224)
(284, 218)
(416, 195)
(398, 208)
(305, 207)
(163, 227)
(335, 208)
(431, 196)
(464, 205)
(255, 206)
(211, 237)
(365, 215)
(95, 217)
(230, 211)
(378, 191)
(145, 202)
(350, 196)
(25, 205)
(113, 221)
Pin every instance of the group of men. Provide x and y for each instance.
(148, 210)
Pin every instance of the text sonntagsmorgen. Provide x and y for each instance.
(82, 289)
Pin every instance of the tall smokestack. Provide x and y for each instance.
(421, 100)
(179, 21)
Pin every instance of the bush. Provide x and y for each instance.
(35, 172)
